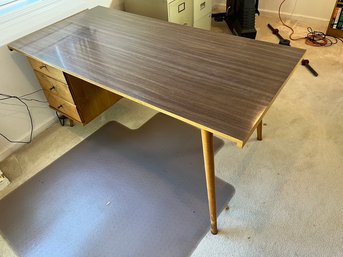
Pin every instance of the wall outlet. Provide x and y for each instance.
(4, 182)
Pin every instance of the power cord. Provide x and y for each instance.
(317, 38)
(313, 38)
(21, 99)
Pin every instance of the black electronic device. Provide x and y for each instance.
(240, 17)
(282, 41)
(306, 63)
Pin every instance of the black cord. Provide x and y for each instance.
(31, 93)
(319, 38)
(61, 118)
(31, 99)
(31, 121)
(34, 100)
(21, 99)
(27, 99)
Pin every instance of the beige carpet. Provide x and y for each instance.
(289, 191)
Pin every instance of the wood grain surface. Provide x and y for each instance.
(218, 82)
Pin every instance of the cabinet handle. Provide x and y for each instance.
(59, 107)
(181, 7)
(202, 5)
(52, 88)
(43, 66)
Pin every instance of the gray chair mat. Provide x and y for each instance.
(120, 192)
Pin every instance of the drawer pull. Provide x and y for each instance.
(59, 107)
(181, 7)
(52, 88)
(202, 5)
(47, 70)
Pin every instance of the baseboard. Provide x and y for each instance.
(294, 16)
(11, 148)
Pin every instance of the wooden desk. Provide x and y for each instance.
(219, 83)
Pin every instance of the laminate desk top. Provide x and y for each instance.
(220, 83)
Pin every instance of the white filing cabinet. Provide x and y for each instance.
(202, 14)
(195, 13)
(176, 11)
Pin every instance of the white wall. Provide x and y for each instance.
(17, 77)
(118, 4)
(318, 9)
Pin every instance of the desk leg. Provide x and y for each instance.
(207, 145)
(259, 131)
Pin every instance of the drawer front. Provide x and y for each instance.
(54, 87)
(48, 70)
(63, 106)
(202, 8)
(204, 22)
(181, 12)
(150, 8)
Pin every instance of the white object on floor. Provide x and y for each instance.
(4, 182)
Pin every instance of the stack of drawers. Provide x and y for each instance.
(180, 12)
(56, 89)
(202, 15)
(75, 98)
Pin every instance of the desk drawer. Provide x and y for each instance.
(54, 87)
(48, 70)
(63, 106)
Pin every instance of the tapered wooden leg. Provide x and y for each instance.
(207, 145)
(259, 131)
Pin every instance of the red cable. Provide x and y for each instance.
(283, 23)
(313, 38)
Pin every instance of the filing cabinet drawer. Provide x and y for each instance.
(204, 22)
(181, 12)
(201, 8)
(48, 70)
(64, 107)
(54, 87)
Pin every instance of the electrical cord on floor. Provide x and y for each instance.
(317, 38)
(61, 118)
(26, 99)
(30, 99)
(313, 38)
(21, 99)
